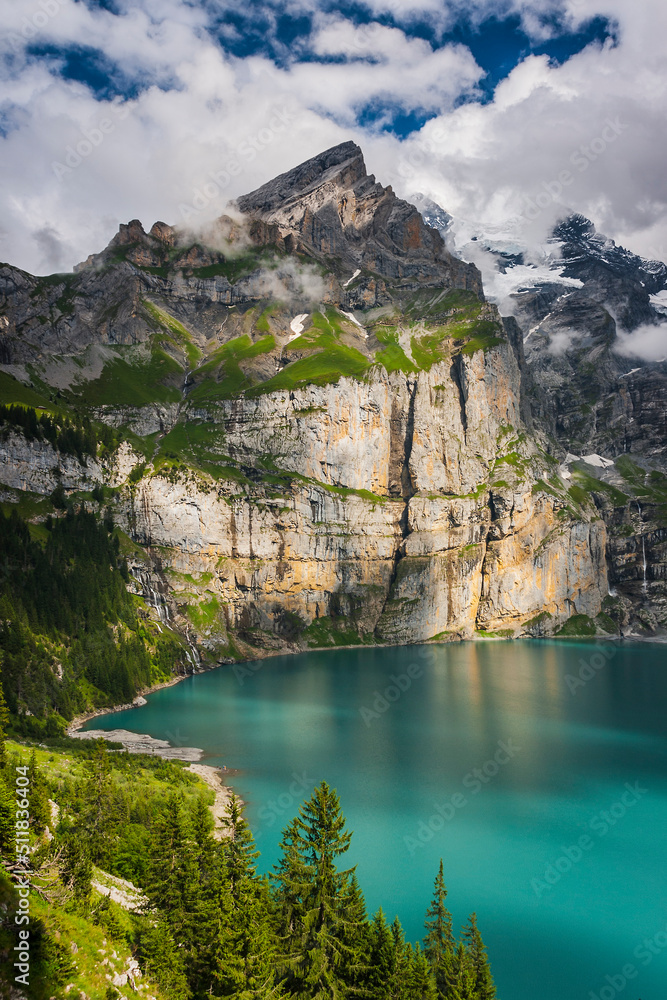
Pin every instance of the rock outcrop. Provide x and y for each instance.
(327, 435)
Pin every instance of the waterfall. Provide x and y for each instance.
(644, 560)
(191, 652)
(154, 598)
(644, 584)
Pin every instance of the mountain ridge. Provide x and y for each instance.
(314, 447)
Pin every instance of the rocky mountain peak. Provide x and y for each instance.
(339, 167)
(331, 207)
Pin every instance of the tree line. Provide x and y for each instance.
(215, 927)
(70, 637)
(71, 435)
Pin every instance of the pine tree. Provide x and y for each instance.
(76, 870)
(421, 979)
(439, 940)
(7, 815)
(97, 790)
(479, 961)
(317, 911)
(403, 960)
(39, 803)
(464, 988)
(4, 725)
(381, 958)
(162, 961)
(247, 947)
(173, 882)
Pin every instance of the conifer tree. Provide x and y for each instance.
(479, 961)
(39, 804)
(163, 961)
(356, 936)
(464, 987)
(318, 913)
(381, 958)
(173, 880)
(421, 979)
(246, 959)
(439, 941)
(7, 805)
(7, 813)
(4, 725)
(97, 819)
(402, 962)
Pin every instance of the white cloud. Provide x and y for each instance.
(235, 123)
(649, 343)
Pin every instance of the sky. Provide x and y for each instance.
(508, 113)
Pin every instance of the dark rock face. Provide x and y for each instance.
(592, 257)
(329, 207)
(589, 397)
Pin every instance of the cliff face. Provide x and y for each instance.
(322, 433)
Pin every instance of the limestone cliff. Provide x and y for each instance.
(321, 431)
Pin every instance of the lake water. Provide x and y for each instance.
(545, 792)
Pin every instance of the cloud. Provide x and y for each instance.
(648, 343)
(204, 126)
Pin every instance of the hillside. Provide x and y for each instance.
(311, 429)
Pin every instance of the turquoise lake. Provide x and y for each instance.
(545, 792)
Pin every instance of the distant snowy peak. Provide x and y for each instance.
(433, 215)
(583, 249)
(574, 255)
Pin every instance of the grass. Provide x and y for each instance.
(392, 356)
(13, 391)
(485, 335)
(221, 377)
(236, 267)
(29, 505)
(327, 632)
(544, 616)
(585, 485)
(177, 332)
(578, 625)
(330, 361)
(649, 487)
(436, 303)
(205, 614)
(134, 382)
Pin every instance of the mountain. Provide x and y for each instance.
(591, 316)
(314, 430)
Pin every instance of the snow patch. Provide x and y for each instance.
(631, 372)
(350, 280)
(354, 320)
(597, 461)
(297, 325)
(660, 298)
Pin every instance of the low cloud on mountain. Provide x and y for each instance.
(169, 110)
(648, 343)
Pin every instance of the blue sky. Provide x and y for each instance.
(498, 43)
(480, 104)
